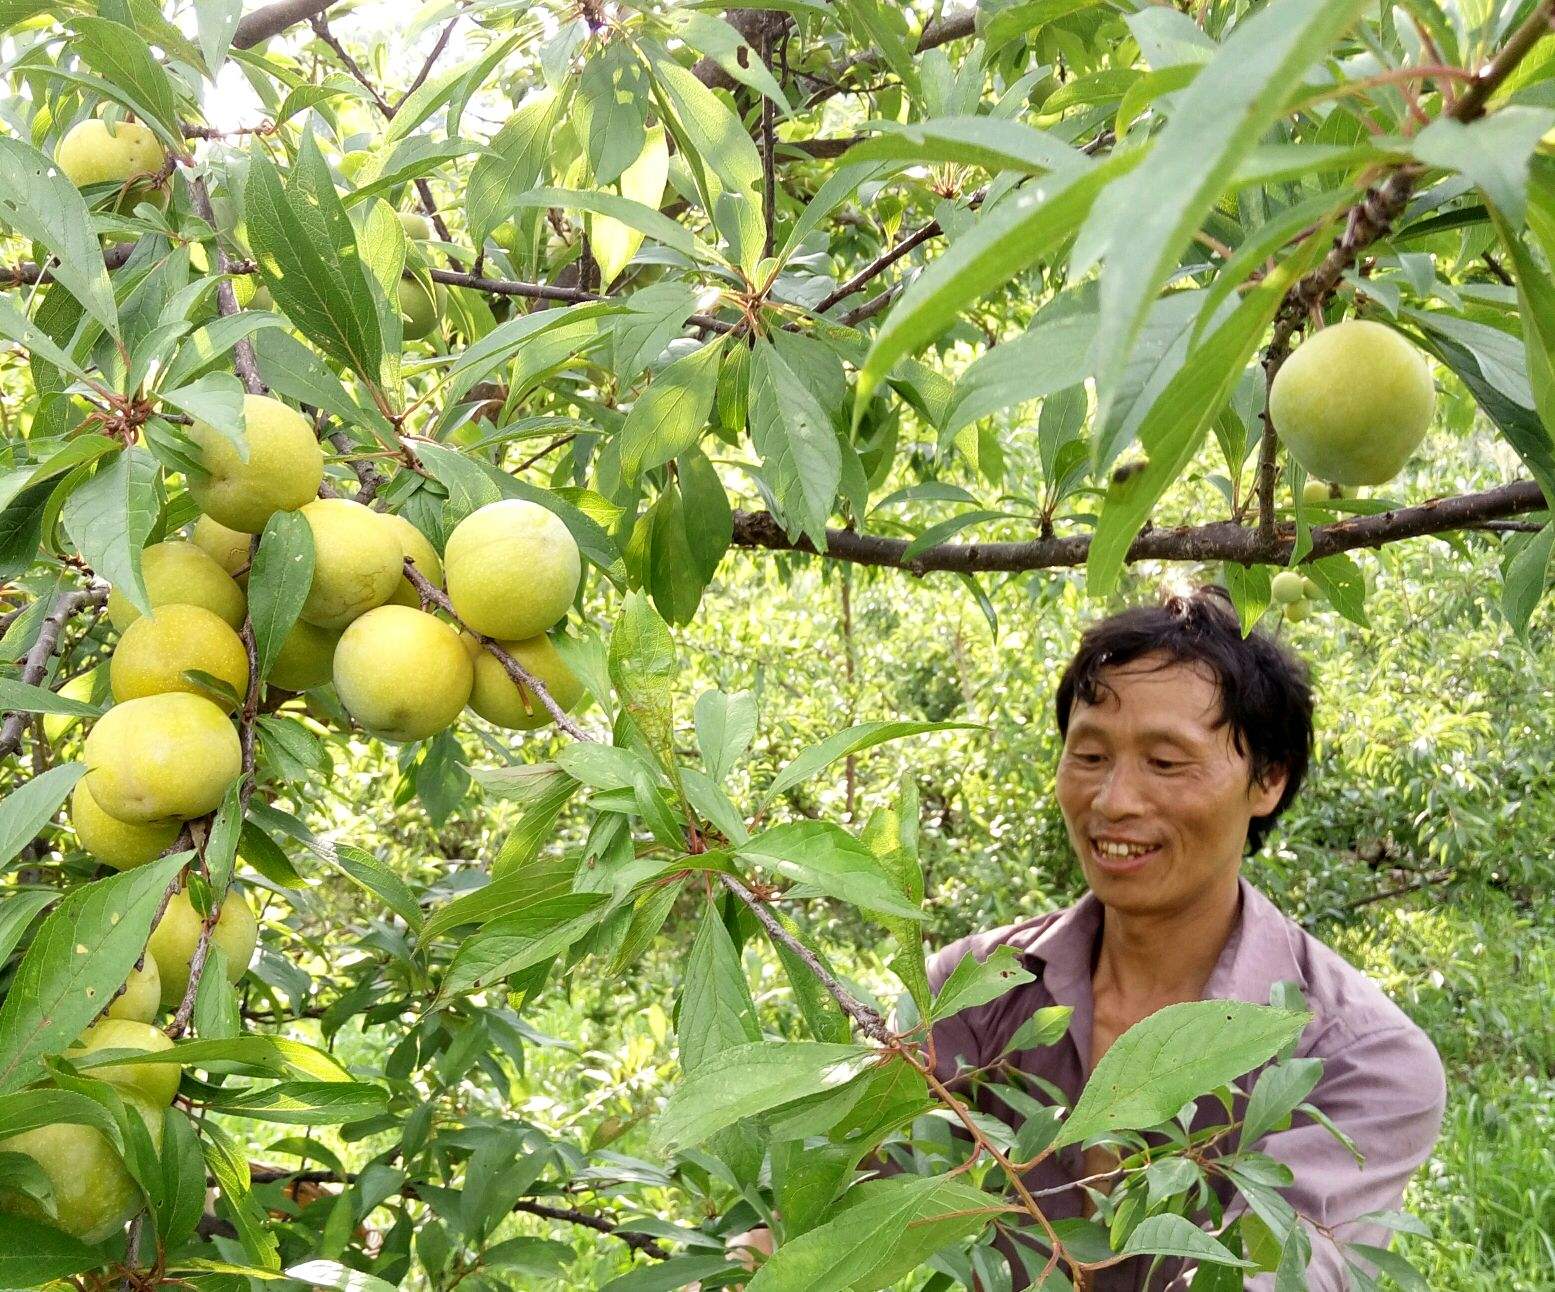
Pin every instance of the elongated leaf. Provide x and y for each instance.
(17, 911)
(30, 806)
(110, 517)
(1020, 230)
(1173, 1056)
(515, 942)
(1217, 119)
(1169, 1235)
(828, 858)
(976, 982)
(753, 1078)
(797, 443)
(278, 583)
(726, 725)
(885, 1230)
(304, 1103)
(276, 1055)
(33, 1253)
(81, 955)
(39, 203)
(671, 414)
(118, 54)
(852, 741)
(1051, 356)
(978, 141)
(229, 1169)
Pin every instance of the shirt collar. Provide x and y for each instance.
(1257, 955)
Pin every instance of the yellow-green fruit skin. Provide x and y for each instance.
(419, 548)
(179, 573)
(161, 757)
(81, 687)
(1315, 491)
(1353, 402)
(358, 561)
(306, 657)
(497, 698)
(120, 844)
(173, 941)
(142, 994)
(94, 1195)
(1296, 611)
(156, 650)
(93, 153)
(284, 469)
(402, 674)
(156, 1083)
(229, 548)
(512, 569)
(421, 310)
(415, 225)
(1286, 587)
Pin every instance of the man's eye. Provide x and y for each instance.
(1165, 764)
(1090, 760)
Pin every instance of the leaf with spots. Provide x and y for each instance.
(82, 954)
(976, 982)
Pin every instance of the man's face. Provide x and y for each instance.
(1155, 795)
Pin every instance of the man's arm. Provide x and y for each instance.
(1387, 1092)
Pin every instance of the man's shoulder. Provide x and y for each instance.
(982, 943)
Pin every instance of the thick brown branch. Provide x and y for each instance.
(36, 662)
(273, 19)
(1220, 541)
(243, 360)
(942, 32)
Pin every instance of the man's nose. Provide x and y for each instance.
(1120, 793)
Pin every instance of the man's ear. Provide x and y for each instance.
(1263, 795)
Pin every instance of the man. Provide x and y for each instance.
(1183, 742)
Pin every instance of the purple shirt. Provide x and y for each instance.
(1382, 1080)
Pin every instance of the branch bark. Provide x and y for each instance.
(273, 19)
(36, 663)
(1219, 541)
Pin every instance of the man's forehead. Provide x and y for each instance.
(1174, 698)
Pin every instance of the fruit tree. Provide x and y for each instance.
(389, 375)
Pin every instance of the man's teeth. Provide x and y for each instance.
(1121, 849)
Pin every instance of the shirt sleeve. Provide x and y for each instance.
(1387, 1092)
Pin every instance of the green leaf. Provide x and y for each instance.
(854, 740)
(372, 876)
(1341, 581)
(891, 833)
(81, 955)
(1169, 1235)
(749, 1079)
(304, 1103)
(667, 1276)
(669, 416)
(827, 857)
(1174, 1056)
(516, 887)
(971, 141)
(883, 1231)
(515, 942)
(1275, 1094)
(276, 1056)
(1216, 121)
(278, 583)
(33, 1254)
(17, 911)
(308, 258)
(1526, 577)
(976, 982)
(1045, 1027)
(110, 517)
(642, 668)
(39, 203)
(1493, 151)
(638, 216)
(716, 1009)
(1016, 233)
(1053, 355)
(513, 163)
(726, 725)
(999, 23)
(32, 804)
(229, 1168)
(117, 54)
(1171, 431)
(797, 443)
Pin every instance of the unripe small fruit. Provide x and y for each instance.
(177, 933)
(1315, 491)
(142, 994)
(402, 673)
(1298, 610)
(416, 225)
(512, 569)
(284, 468)
(1285, 587)
(158, 649)
(358, 561)
(497, 698)
(1353, 402)
(156, 1083)
(120, 844)
(93, 152)
(229, 548)
(94, 1194)
(1309, 589)
(160, 757)
(421, 310)
(418, 547)
(306, 657)
(179, 573)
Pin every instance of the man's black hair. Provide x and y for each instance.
(1265, 692)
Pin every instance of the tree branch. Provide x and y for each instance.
(431, 594)
(1219, 541)
(36, 663)
(273, 19)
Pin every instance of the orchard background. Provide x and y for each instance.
(864, 352)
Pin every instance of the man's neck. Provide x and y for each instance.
(1162, 957)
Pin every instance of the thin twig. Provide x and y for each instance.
(68, 603)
